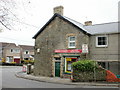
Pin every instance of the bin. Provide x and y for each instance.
(28, 68)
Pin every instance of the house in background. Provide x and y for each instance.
(62, 41)
(27, 52)
(11, 52)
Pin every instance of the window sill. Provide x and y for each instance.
(102, 46)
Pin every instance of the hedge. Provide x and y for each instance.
(85, 65)
(27, 61)
(87, 70)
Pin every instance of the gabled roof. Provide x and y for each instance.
(73, 22)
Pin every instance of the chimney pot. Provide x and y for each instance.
(58, 10)
(87, 23)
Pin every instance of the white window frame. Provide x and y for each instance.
(101, 45)
(71, 42)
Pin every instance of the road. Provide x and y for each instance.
(9, 80)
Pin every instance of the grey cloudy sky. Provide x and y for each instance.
(33, 14)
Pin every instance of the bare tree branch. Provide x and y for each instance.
(6, 7)
(4, 25)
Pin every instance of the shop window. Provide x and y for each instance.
(68, 62)
(71, 42)
(101, 41)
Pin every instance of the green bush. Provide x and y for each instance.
(27, 62)
(87, 70)
(85, 65)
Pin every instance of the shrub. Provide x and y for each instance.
(27, 61)
(85, 65)
(87, 70)
(13, 62)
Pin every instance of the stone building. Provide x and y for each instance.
(62, 41)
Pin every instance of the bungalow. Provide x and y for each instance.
(62, 41)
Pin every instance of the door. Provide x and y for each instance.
(57, 69)
(17, 60)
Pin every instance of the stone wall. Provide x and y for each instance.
(98, 75)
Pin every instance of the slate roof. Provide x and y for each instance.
(105, 28)
(5, 44)
(90, 30)
(27, 47)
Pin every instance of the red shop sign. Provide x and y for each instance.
(68, 51)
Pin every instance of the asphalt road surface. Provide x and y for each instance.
(9, 80)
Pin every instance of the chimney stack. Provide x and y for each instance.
(88, 23)
(58, 10)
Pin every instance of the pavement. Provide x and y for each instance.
(64, 81)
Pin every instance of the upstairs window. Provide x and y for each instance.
(101, 41)
(26, 52)
(15, 50)
(71, 42)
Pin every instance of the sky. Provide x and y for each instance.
(33, 14)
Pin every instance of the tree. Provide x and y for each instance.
(6, 13)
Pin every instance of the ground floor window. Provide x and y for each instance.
(9, 59)
(103, 64)
(26, 58)
(68, 62)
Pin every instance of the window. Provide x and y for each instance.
(11, 50)
(26, 52)
(38, 50)
(57, 58)
(9, 59)
(26, 58)
(101, 41)
(68, 62)
(71, 42)
(15, 50)
(104, 65)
